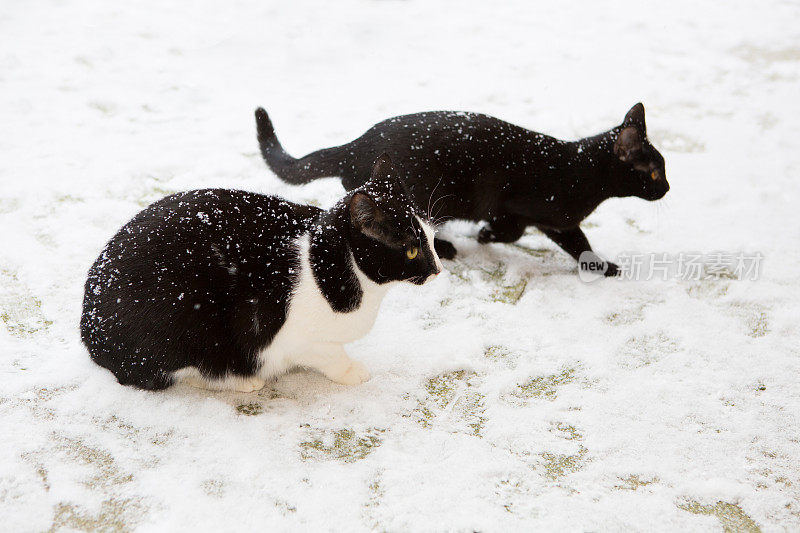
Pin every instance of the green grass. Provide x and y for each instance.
(115, 514)
(732, 518)
(250, 409)
(557, 466)
(453, 396)
(347, 446)
(545, 387)
(20, 311)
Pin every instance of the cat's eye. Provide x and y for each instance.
(654, 175)
(412, 252)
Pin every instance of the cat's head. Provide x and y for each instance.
(389, 239)
(639, 169)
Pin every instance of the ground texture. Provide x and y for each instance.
(507, 394)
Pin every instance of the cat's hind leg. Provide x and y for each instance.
(159, 381)
(332, 361)
(504, 228)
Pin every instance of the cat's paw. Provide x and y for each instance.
(444, 249)
(250, 384)
(612, 270)
(354, 374)
(486, 235)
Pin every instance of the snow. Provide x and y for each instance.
(506, 394)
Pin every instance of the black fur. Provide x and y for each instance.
(203, 278)
(475, 167)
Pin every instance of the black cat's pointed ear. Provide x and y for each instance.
(635, 117)
(365, 214)
(628, 144)
(382, 168)
(386, 178)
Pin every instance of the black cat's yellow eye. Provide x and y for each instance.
(654, 175)
(412, 252)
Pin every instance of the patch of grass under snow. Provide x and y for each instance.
(343, 445)
(452, 397)
(731, 516)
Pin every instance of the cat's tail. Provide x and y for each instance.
(320, 164)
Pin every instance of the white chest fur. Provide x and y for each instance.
(311, 322)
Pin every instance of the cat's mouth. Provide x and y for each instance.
(660, 191)
(421, 279)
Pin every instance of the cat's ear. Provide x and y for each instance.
(635, 117)
(382, 169)
(365, 215)
(386, 178)
(628, 144)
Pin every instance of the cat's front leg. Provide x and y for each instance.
(332, 361)
(574, 242)
(505, 228)
(248, 384)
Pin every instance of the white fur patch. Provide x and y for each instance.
(313, 333)
(429, 235)
(311, 322)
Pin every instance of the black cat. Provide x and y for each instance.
(475, 167)
(225, 288)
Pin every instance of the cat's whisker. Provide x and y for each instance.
(439, 200)
(431, 196)
(662, 206)
(416, 233)
(442, 219)
(441, 206)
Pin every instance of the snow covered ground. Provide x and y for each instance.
(505, 395)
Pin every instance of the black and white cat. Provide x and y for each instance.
(226, 289)
(475, 167)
